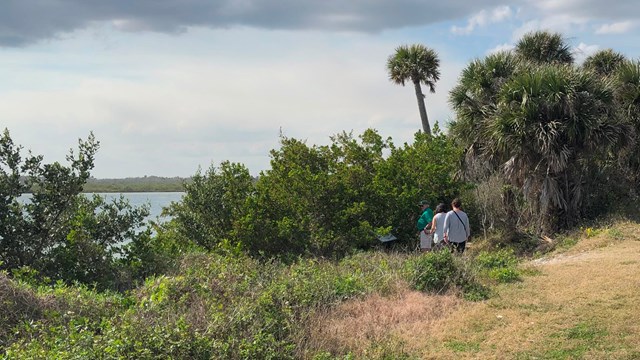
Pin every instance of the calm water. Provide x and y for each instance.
(155, 200)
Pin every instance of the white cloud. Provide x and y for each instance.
(582, 51)
(562, 23)
(501, 47)
(166, 113)
(615, 28)
(484, 18)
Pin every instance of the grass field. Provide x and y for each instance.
(579, 302)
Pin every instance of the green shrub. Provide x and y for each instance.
(500, 265)
(439, 271)
(434, 272)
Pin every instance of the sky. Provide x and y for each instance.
(171, 86)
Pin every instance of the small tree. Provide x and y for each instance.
(57, 231)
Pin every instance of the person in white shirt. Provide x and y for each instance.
(456, 227)
(437, 225)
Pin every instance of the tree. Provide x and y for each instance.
(546, 126)
(420, 65)
(59, 232)
(604, 62)
(544, 47)
(211, 204)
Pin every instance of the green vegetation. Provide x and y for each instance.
(137, 184)
(246, 268)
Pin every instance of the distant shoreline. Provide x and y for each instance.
(138, 184)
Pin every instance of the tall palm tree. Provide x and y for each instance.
(420, 65)
(544, 47)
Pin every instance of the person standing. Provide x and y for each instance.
(437, 225)
(424, 222)
(456, 227)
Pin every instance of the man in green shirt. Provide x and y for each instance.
(423, 222)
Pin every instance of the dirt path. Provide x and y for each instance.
(581, 305)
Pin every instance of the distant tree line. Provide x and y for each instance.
(136, 184)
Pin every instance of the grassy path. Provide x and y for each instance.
(579, 304)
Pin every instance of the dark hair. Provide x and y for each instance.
(440, 208)
(456, 203)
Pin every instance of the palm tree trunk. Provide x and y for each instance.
(422, 108)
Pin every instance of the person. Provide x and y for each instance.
(456, 227)
(424, 222)
(437, 225)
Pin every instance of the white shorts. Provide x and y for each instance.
(425, 240)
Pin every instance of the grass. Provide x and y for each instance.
(579, 302)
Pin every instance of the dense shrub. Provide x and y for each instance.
(440, 271)
(215, 307)
(500, 265)
(319, 200)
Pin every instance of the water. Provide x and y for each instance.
(155, 200)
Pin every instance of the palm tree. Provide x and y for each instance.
(551, 124)
(419, 64)
(544, 47)
(474, 101)
(540, 124)
(604, 62)
(627, 84)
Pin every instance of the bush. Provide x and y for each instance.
(440, 271)
(324, 201)
(499, 265)
(215, 307)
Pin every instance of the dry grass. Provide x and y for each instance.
(17, 304)
(582, 305)
(405, 320)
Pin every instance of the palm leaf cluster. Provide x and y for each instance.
(544, 123)
(420, 65)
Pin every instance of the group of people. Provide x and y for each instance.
(443, 228)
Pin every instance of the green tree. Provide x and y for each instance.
(318, 200)
(420, 65)
(57, 231)
(544, 47)
(604, 62)
(211, 204)
(541, 129)
(627, 95)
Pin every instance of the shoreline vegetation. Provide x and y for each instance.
(136, 184)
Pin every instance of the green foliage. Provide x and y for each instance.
(211, 204)
(420, 65)
(57, 232)
(317, 200)
(549, 130)
(544, 47)
(604, 62)
(500, 265)
(441, 271)
(215, 307)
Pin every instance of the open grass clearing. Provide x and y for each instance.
(581, 303)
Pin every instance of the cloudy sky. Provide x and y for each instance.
(170, 85)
